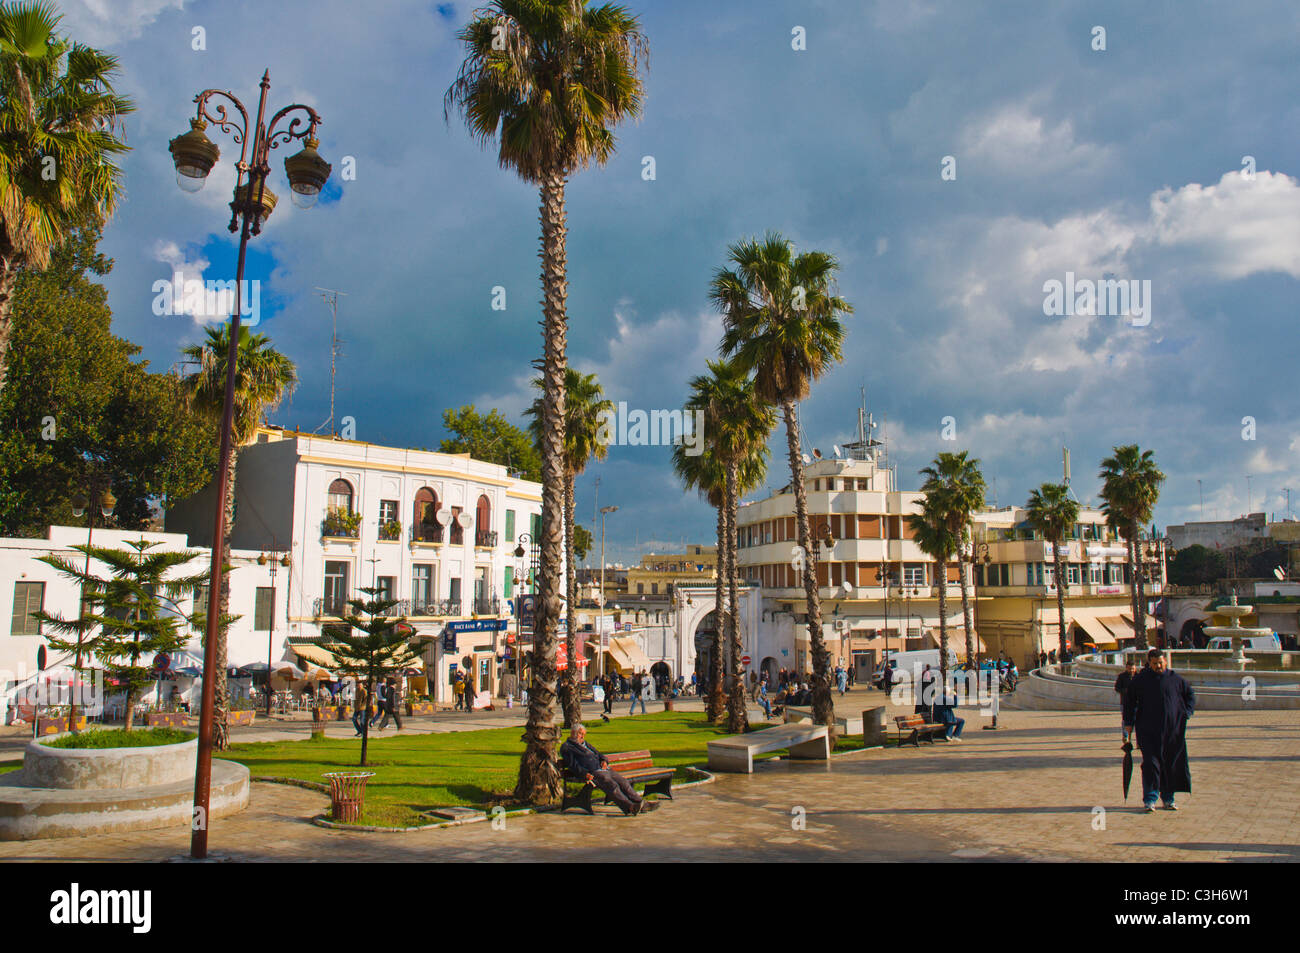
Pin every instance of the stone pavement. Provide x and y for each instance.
(1027, 792)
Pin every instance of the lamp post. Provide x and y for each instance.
(195, 155)
(274, 564)
(604, 511)
(105, 503)
(520, 551)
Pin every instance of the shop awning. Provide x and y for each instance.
(315, 655)
(1100, 635)
(627, 656)
(1152, 621)
(1118, 626)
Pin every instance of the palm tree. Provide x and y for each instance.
(956, 479)
(584, 407)
(932, 531)
(737, 425)
(781, 321)
(1129, 491)
(263, 378)
(548, 80)
(58, 136)
(1053, 513)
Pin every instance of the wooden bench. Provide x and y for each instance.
(802, 740)
(637, 766)
(918, 727)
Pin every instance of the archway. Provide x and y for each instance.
(705, 630)
(1193, 634)
(769, 668)
(662, 674)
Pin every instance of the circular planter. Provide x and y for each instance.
(84, 769)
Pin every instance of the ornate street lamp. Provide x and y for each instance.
(81, 504)
(195, 155)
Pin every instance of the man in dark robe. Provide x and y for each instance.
(1158, 703)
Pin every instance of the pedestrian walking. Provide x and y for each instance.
(1122, 683)
(637, 686)
(607, 683)
(362, 711)
(1157, 707)
(391, 701)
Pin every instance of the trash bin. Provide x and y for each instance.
(347, 794)
(873, 727)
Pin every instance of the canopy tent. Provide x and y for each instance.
(627, 656)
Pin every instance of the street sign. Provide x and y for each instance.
(745, 660)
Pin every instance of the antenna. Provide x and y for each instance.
(331, 299)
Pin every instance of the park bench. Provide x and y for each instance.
(916, 728)
(802, 740)
(637, 766)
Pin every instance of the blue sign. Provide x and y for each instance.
(448, 640)
(478, 625)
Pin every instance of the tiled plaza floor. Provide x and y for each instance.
(1028, 791)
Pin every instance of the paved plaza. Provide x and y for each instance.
(1030, 791)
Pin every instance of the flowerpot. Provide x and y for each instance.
(57, 724)
(240, 719)
(668, 704)
(343, 712)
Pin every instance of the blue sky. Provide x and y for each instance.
(1123, 163)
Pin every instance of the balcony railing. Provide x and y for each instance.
(432, 607)
(485, 537)
(457, 534)
(334, 607)
(426, 533)
(341, 523)
(487, 606)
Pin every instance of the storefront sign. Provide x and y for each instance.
(478, 625)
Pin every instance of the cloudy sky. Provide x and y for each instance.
(1168, 158)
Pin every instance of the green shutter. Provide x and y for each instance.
(510, 576)
(510, 527)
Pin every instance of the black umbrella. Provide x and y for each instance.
(1128, 766)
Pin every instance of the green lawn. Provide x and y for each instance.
(414, 773)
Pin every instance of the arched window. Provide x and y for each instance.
(483, 522)
(340, 497)
(424, 524)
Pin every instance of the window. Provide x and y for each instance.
(457, 531)
(509, 580)
(640, 588)
(336, 587)
(1094, 574)
(1072, 574)
(510, 526)
(29, 598)
(536, 523)
(455, 595)
(387, 511)
(914, 574)
(422, 592)
(654, 588)
(387, 586)
(340, 497)
(1006, 574)
(263, 608)
(201, 605)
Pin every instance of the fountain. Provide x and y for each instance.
(1236, 631)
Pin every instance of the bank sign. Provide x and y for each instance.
(478, 625)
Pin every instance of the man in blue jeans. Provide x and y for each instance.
(944, 714)
(638, 684)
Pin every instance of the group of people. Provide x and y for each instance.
(462, 687)
(386, 705)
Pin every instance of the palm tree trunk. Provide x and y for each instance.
(713, 707)
(823, 704)
(943, 628)
(8, 275)
(539, 772)
(221, 689)
(569, 698)
(963, 573)
(737, 720)
(1139, 640)
(1140, 608)
(1060, 596)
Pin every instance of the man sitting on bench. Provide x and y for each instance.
(583, 762)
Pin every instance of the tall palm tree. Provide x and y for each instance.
(1053, 513)
(584, 405)
(737, 425)
(956, 479)
(1130, 487)
(263, 378)
(58, 135)
(932, 531)
(781, 321)
(548, 80)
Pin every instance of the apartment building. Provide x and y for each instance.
(437, 532)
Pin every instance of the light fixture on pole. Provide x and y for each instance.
(604, 511)
(195, 155)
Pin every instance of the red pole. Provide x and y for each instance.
(203, 768)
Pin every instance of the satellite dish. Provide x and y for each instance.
(846, 587)
(443, 516)
(807, 459)
(817, 453)
(1277, 571)
(836, 448)
(465, 520)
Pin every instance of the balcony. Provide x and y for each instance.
(426, 533)
(487, 605)
(341, 524)
(331, 607)
(433, 607)
(485, 538)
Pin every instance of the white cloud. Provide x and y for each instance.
(1016, 140)
(108, 22)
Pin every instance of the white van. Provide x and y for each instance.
(1265, 643)
(912, 663)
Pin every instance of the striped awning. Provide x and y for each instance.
(627, 656)
(315, 655)
(1097, 631)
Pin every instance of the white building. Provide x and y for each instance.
(28, 585)
(436, 531)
